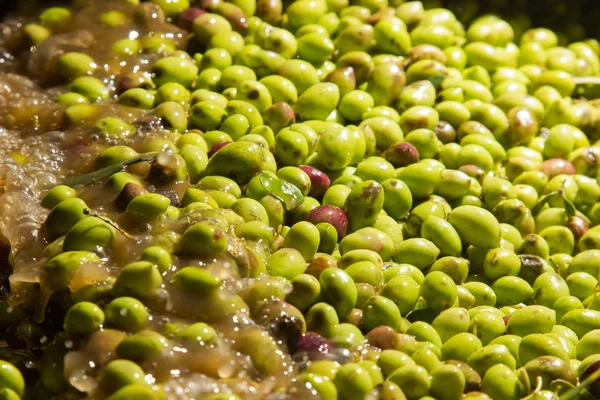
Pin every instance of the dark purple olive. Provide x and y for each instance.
(319, 181)
(313, 342)
(557, 166)
(401, 154)
(171, 195)
(216, 148)
(331, 214)
(287, 329)
(125, 82)
(531, 267)
(594, 388)
(186, 18)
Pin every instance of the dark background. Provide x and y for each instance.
(572, 17)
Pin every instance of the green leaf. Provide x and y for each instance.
(576, 391)
(541, 203)
(554, 265)
(288, 194)
(569, 207)
(560, 386)
(98, 175)
(436, 80)
(420, 304)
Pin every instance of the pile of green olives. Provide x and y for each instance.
(297, 200)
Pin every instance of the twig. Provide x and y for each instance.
(87, 211)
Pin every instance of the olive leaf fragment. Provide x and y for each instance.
(98, 175)
(288, 194)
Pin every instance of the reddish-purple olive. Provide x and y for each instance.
(313, 342)
(216, 148)
(186, 18)
(557, 166)
(401, 154)
(287, 329)
(171, 195)
(319, 181)
(331, 214)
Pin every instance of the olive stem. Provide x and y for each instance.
(587, 80)
(538, 386)
(87, 211)
(574, 392)
(595, 295)
(539, 383)
(524, 378)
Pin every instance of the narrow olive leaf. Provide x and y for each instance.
(16, 356)
(560, 386)
(584, 217)
(436, 81)
(575, 392)
(542, 202)
(569, 207)
(288, 194)
(554, 265)
(419, 305)
(98, 175)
